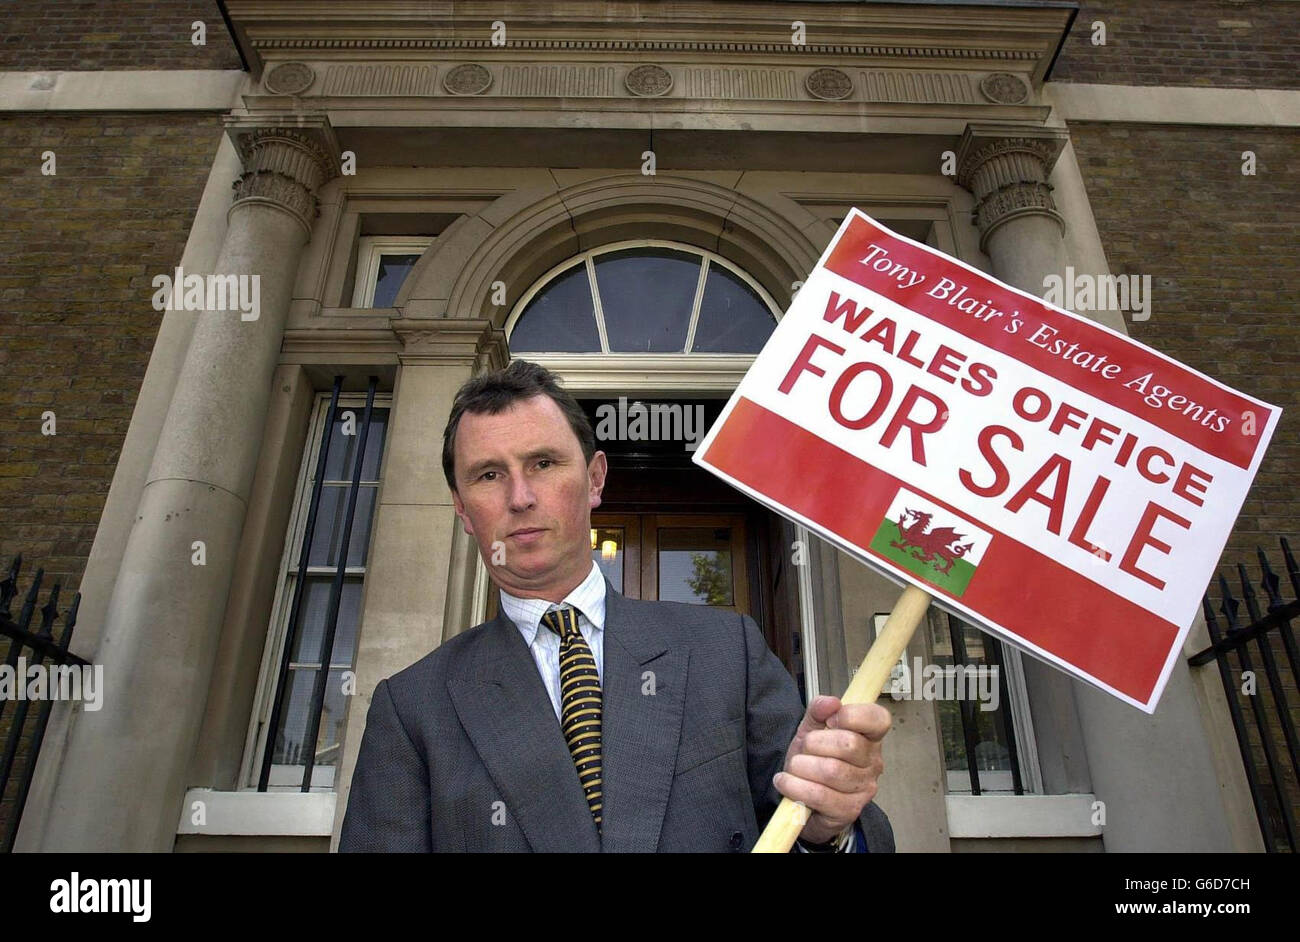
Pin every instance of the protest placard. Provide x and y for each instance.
(1049, 479)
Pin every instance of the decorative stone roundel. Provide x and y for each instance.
(467, 79)
(828, 84)
(648, 81)
(1003, 88)
(289, 78)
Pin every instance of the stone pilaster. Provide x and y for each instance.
(1152, 773)
(1006, 167)
(420, 575)
(122, 781)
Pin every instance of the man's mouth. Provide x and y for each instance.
(526, 531)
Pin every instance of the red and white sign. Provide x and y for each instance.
(1051, 480)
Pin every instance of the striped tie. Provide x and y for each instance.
(580, 703)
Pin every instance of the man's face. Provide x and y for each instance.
(523, 470)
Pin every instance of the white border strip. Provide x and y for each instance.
(218, 90)
(153, 90)
(292, 814)
(976, 816)
(1165, 104)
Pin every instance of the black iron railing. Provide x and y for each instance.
(1271, 738)
(28, 649)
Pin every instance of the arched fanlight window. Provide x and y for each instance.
(643, 297)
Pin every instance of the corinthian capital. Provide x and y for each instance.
(1006, 167)
(286, 160)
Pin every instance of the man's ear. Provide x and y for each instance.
(460, 512)
(597, 470)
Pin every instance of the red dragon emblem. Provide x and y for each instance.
(935, 546)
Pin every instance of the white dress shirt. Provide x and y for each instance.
(544, 644)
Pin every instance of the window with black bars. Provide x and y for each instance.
(318, 612)
(979, 746)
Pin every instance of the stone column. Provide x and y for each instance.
(1155, 774)
(122, 781)
(1006, 167)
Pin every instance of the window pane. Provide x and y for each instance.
(695, 565)
(609, 550)
(327, 538)
(560, 318)
(393, 270)
(992, 755)
(315, 608)
(991, 752)
(646, 296)
(733, 318)
(304, 639)
(290, 738)
(343, 447)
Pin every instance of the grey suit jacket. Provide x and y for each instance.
(462, 750)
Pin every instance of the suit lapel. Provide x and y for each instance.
(644, 692)
(505, 710)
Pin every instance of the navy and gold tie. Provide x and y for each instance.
(580, 703)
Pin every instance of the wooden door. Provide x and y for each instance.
(675, 557)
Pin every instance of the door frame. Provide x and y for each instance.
(632, 561)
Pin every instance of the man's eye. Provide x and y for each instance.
(545, 461)
(485, 474)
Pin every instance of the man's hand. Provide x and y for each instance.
(833, 764)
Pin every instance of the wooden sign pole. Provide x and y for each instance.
(790, 816)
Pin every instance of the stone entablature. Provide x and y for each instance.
(838, 54)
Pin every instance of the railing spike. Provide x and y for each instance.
(1288, 558)
(71, 621)
(29, 603)
(49, 612)
(1229, 605)
(9, 587)
(1270, 582)
(1248, 593)
(1211, 623)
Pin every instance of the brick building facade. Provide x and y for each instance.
(143, 125)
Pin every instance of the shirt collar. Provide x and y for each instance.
(588, 597)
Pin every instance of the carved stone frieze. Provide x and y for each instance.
(828, 84)
(377, 79)
(649, 81)
(289, 78)
(1003, 88)
(756, 83)
(469, 78)
(559, 81)
(910, 85)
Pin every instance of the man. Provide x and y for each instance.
(579, 719)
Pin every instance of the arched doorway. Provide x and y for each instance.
(666, 529)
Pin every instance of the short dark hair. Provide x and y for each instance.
(494, 392)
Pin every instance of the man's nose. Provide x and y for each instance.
(521, 493)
